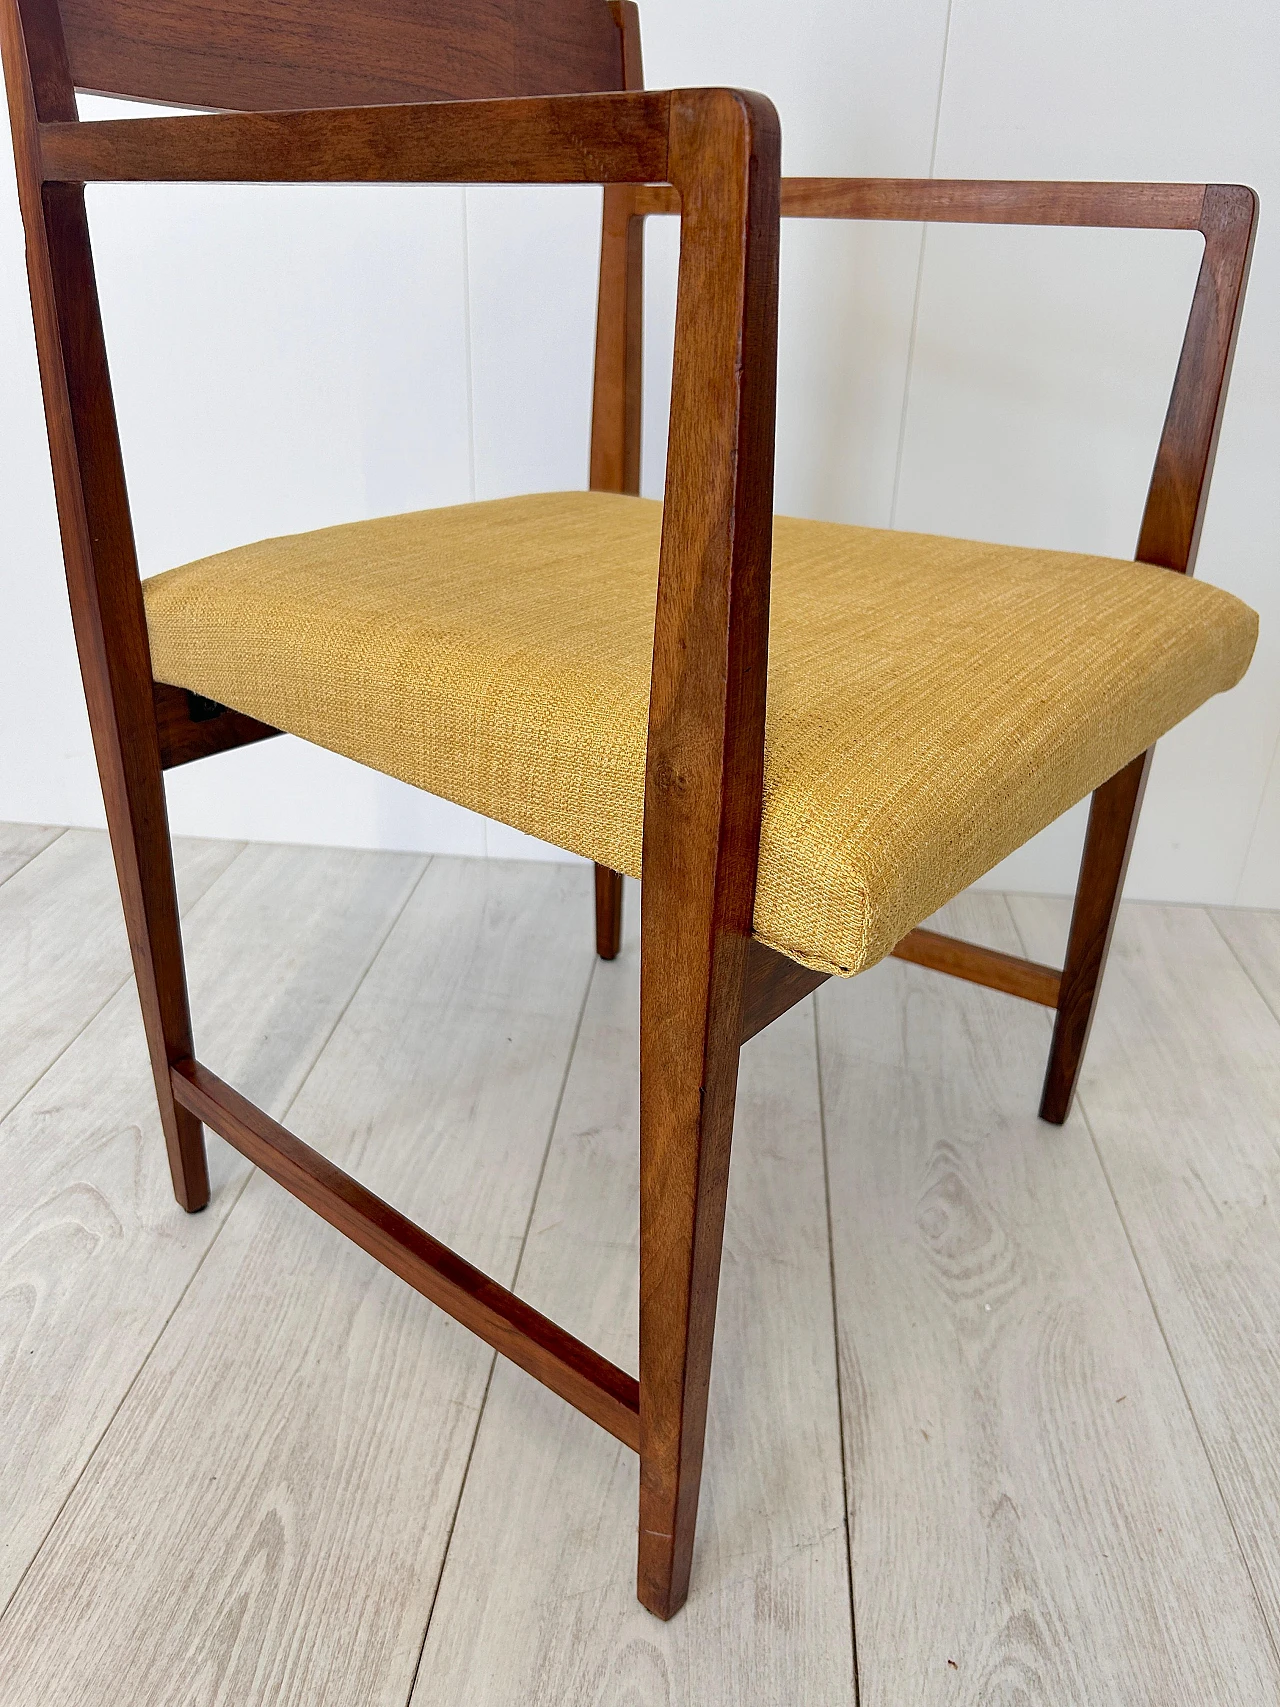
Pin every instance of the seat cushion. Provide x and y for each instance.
(932, 702)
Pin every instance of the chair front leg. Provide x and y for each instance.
(704, 778)
(1113, 820)
(689, 1042)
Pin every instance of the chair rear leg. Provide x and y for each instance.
(1113, 819)
(608, 912)
(111, 636)
(688, 1084)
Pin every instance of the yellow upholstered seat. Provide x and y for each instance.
(932, 702)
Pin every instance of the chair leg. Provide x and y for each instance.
(608, 912)
(126, 742)
(688, 1084)
(1113, 819)
(111, 637)
(138, 821)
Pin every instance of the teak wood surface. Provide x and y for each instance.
(535, 92)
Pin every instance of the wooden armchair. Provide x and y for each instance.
(612, 656)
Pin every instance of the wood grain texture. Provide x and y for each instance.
(772, 984)
(704, 769)
(20, 843)
(1034, 1517)
(94, 1255)
(1181, 1090)
(304, 1572)
(994, 201)
(768, 1619)
(979, 965)
(63, 948)
(574, 139)
(617, 396)
(111, 640)
(975, 201)
(238, 54)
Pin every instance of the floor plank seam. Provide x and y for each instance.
(75, 1038)
(835, 1332)
(453, 1524)
(552, 1124)
(515, 1282)
(31, 858)
(1235, 955)
(107, 1001)
(368, 966)
(231, 1209)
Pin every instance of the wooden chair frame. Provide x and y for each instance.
(712, 156)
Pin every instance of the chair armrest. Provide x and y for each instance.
(1224, 214)
(579, 139)
(995, 201)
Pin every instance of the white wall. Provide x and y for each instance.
(287, 357)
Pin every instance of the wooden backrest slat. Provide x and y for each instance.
(269, 55)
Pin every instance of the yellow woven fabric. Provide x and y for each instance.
(932, 702)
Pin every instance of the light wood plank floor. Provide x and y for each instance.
(996, 1410)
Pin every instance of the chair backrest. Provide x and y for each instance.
(265, 55)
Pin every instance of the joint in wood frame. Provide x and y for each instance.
(774, 984)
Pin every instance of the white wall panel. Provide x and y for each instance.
(533, 260)
(857, 91)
